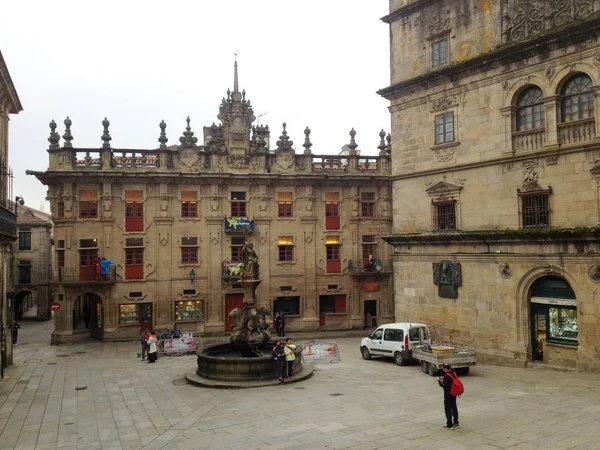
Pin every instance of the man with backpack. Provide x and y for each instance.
(453, 388)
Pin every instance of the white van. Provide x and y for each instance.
(395, 340)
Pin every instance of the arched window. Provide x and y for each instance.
(578, 99)
(530, 109)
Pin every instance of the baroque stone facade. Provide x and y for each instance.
(174, 220)
(495, 111)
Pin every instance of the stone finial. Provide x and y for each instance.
(382, 147)
(284, 142)
(163, 135)
(307, 144)
(352, 145)
(244, 96)
(68, 137)
(388, 149)
(228, 94)
(54, 136)
(106, 135)
(188, 135)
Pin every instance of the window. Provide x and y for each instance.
(334, 263)
(367, 204)
(238, 204)
(25, 238)
(88, 204)
(332, 211)
(237, 243)
(189, 310)
(135, 314)
(285, 207)
(444, 216)
(286, 248)
(60, 258)
(439, 52)
(134, 258)
(287, 305)
(377, 334)
(24, 271)
(189, 250)
(393, 335)
(578, 99)
(530, 109)
(134, 211)
(189, 204)
(60, 210)
(444, 128)
(369, 247)
(88, 251)
(535, 209)
(332, 304)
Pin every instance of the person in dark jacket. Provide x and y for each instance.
(450, 407)
(278, 323)
(279, 357)
(144, 341)
(14, 328)
(282, 327)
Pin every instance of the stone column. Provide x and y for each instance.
(63, 318)
(551, 120)
(508, 116)
(596, 90)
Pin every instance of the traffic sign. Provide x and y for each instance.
(54, 306)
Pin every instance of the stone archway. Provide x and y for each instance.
(88, 317)
(23, 301)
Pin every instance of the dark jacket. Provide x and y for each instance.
(278, 322)
(278, 353)
(446, 382)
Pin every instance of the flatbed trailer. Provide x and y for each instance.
(462, 359)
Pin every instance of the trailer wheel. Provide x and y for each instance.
(399, 359)
(463, 370)
(366, 354)
(431, 369)
(425, 366)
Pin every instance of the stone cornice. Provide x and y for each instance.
(501, 56)
(406, 10)
(9, 87)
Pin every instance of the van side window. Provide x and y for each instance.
(377, 334)
(413, 334)
(393, 335)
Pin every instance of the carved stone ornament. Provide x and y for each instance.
(594, 273)
(530, 175)
(505, 270)
(439, 24)
(447, 277)
(443, 103)
(444, 155)
(189, 156)
(163, 238)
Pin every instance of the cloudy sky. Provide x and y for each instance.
(313, 63)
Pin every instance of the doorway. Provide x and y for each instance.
(232, 301)
(88, 316)
(370, 313)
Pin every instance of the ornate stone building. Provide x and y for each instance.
(31, 262)
(9, 104)
(496, 167)
(174, 220)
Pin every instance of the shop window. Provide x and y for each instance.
(332, 304)
(439, 52)
(332, 247)
(332, 210)
(287, 305)
(60, 210)
(238, 204)
(88, 252)
(133, 314)
(189, 204)
(189, 310)
(577, 99)
(367, 204)
(369, 247)
(237, 243)
(285, 206)
(24, 271)
(535, 209)
(134, 211)
(530, 109)
(189, 250)
(286, 248)
(88, 204)
(25, 238)
(444, 128)
(444, 215)
(134, 258)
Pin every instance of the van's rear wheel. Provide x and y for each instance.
(431, 369)
(399, 359)
(425, 366)
(366, 354)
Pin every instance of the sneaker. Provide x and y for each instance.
(446, 427)
(280, 379)
(456, 426)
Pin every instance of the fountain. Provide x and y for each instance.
(247, 360)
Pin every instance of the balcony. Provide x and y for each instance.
(525, 141)
(231, 270)
(8, 224)
(577, 131)
(239, 224)
(359, 270)
(85, 275)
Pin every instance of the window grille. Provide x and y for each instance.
(444, 216)
(535, 209)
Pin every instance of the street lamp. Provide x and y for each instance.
(192, 275)
(378, 265)
(18, 201)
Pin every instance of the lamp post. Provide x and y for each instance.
(378, 265)
(192, 275)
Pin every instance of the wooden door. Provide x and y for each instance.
(232, 301)
(144, 311)
(87, 270)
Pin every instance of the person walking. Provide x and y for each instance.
(290, 357)
(279, 357)
(450, 407)
(282, 327)
(278, 323)
(144, 341)
(14, 328)
(152, 351)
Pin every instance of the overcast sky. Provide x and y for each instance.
(313, 63)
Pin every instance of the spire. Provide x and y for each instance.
(235, 76)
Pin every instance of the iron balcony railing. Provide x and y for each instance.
(84, 275)
(365, 269)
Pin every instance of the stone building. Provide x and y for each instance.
(9, 104)
(496, 166)
(174, 220)
(31, 262)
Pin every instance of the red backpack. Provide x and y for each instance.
(457, 389)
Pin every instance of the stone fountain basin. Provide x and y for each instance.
(223, 362)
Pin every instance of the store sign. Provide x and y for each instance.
(371, 286)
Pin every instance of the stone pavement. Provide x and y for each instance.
(100, 396)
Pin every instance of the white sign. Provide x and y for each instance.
(410, 292)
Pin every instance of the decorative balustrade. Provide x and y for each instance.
(139, 158)
(88, 158)
(524, 141)
(576, 132)
(321, 163)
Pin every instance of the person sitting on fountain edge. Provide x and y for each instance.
(166, 335)
(279, 357)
